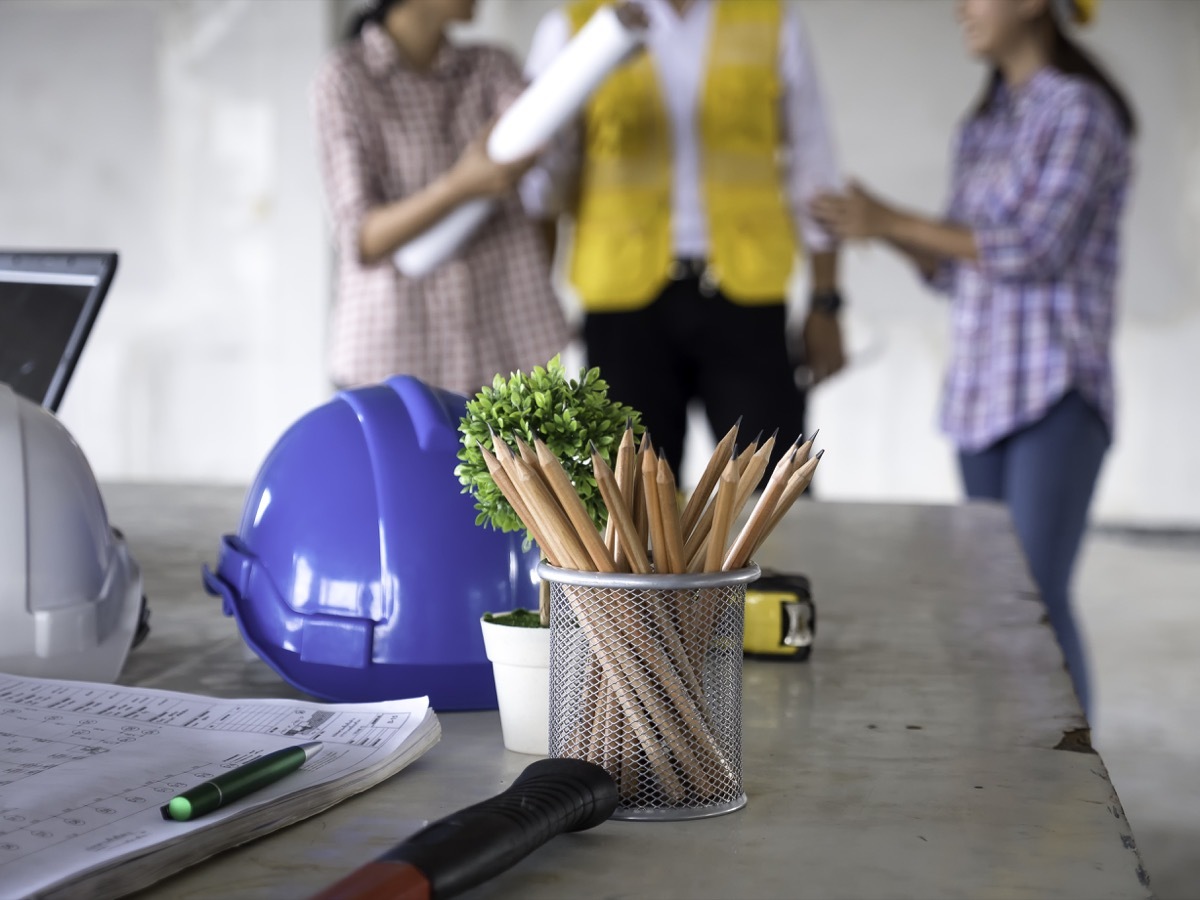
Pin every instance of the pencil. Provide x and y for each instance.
(806, 449)
(723, 518)
(751, 476)
(515, 500)
(527, 453)
(668, 508)
(712, 472)
(796, 486)
(658, 536)
(619, 517)
(622, 469)
(692, 547)
(755, 528)
(550, 519)
(638, 504)
(560, 484)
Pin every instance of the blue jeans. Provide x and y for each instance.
(1046, 474)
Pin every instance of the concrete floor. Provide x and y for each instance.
(1138, 596)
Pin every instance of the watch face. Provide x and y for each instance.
(827, 302)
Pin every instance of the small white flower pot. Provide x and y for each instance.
(521, 664)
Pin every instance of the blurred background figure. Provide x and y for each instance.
(687, 225)
(402, 115)
(1029, 252)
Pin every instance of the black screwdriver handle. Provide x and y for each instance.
(550, 797)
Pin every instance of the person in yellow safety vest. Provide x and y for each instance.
(688, 184)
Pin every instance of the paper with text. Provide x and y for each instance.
(85, 768)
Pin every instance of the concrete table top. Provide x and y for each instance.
(932, 747)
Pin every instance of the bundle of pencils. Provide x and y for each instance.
(643, 694)
(645, 522)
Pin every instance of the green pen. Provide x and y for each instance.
(224, 789)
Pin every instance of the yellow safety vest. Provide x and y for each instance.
(622, 253)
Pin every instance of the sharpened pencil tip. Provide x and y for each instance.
(820, 453)
(814, 436)
(629, 423)
(595, 449)
(774, 434)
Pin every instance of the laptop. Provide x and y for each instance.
(48, 303)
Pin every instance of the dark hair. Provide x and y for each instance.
(1071, 59)
(375, 12)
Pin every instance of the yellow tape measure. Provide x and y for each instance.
(781, 618)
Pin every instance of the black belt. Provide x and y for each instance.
(690, 268)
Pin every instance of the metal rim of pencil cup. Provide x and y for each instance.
(691, 581)
(682, 760)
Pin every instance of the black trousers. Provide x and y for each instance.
(686, 346)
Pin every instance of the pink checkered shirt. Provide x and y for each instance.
(385, 131)
(1041, 179)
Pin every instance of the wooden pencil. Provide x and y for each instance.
(693, 546)
(638, 504)
(708, 481)
(668, 508)
(727, 491)
(755, 527)
(560, 484)
(796, 486)
(625, 471)
(806, 449)
(527, 453)
(517, 502)
(551, 520)
(619, 517)
(658, 536)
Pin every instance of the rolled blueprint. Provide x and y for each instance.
(553, 99)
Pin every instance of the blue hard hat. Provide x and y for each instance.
(358, 572)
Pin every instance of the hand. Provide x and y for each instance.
(823, 345)
(632, 15)
(477, 175)
(854, 215)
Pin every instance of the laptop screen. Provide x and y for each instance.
(48, 302)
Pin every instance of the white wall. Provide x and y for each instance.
(177, 133)
(194, 156)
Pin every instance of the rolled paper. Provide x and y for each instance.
(442, 239)
(553, 99)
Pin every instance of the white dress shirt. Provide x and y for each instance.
(678, 46)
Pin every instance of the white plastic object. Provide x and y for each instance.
(521, 664)
(70, 593)
(553, 99)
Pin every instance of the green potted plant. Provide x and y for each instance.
(571, 415)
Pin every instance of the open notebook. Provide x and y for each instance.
(85, 768)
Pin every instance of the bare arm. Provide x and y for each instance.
(369, 228)
(926, 241)
(388, 227)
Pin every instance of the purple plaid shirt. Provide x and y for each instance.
(1041, 179)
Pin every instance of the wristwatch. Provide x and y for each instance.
(828, 302)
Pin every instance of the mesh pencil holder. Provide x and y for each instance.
(646, 681)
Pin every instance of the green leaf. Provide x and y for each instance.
(568, 414)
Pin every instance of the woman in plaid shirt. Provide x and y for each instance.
(402, 116)
(1029, 252)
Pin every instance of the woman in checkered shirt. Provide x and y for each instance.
(402, 116)
(1029, 253)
